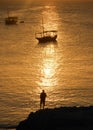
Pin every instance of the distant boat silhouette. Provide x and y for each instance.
(11, 20)
(46, 36)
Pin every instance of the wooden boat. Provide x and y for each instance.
(46, 36)
(11, 20)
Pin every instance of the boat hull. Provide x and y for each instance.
(10, 23)
(46, 39)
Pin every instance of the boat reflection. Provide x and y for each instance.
(54, 43)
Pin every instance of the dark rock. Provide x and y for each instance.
(64, 118)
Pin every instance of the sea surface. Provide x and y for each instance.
(64, 69)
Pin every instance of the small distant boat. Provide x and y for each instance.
(11, 20)
(46, 36)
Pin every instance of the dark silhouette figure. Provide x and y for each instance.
(42, 99)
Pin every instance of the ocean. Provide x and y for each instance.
(63, 69)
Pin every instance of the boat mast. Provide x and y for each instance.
(43, 25)
(8, 12)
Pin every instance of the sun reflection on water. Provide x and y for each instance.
(50, 17)
(49, 66)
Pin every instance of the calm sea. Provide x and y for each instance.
(63, 69)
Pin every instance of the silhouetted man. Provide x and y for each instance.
(42, 99)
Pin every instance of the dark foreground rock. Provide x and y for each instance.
(64, 118)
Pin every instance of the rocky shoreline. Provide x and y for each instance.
(63, 118)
